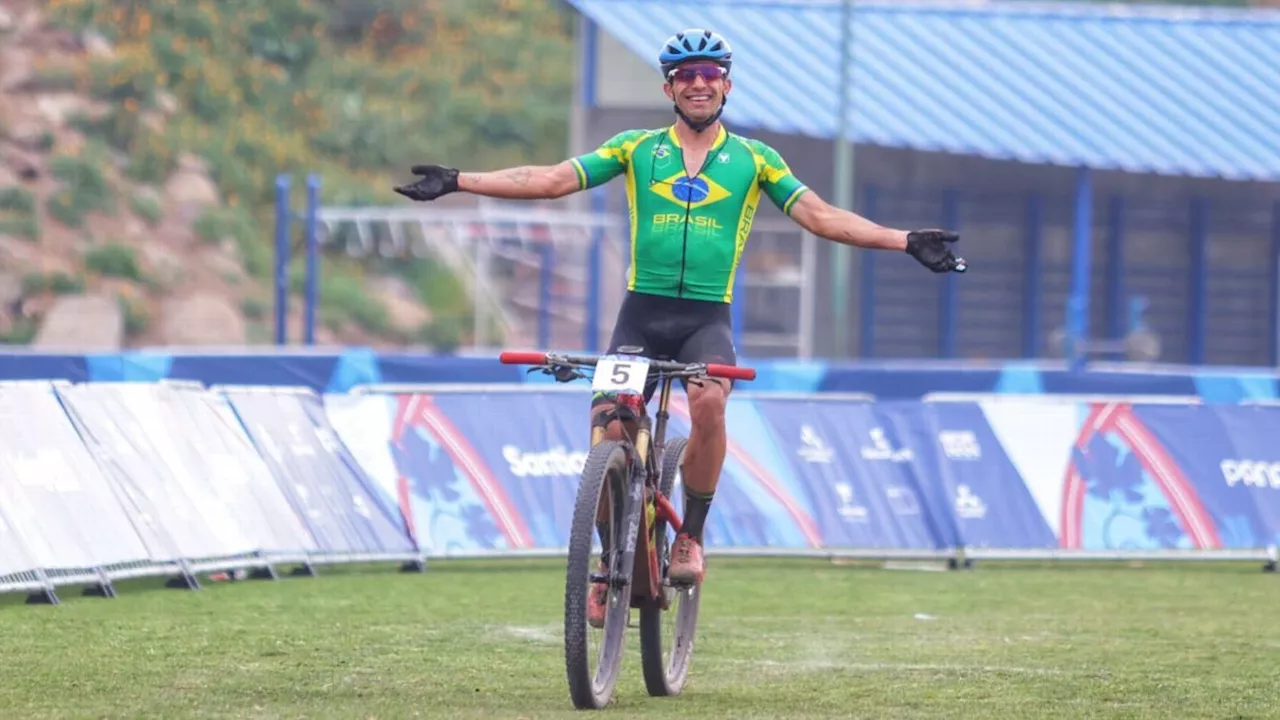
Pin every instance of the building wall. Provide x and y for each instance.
(991, 203)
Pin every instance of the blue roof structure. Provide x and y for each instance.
(1172, 90)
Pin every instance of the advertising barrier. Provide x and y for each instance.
(103, 481)
(327, 489)
(57, 502)
(157, 461)
(484, 470)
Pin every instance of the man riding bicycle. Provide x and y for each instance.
(692, 193)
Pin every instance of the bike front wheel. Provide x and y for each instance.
(666, 653)
(605, 481)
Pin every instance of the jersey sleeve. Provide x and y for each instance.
(608, 161)
(776, 179)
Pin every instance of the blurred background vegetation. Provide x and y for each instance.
(354, 90)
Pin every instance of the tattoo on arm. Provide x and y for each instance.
(520, 176)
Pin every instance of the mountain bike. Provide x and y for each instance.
(627, 484)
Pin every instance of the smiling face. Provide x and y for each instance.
(698, 89)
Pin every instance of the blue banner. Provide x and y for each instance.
(858, 479)
(1221, 467)
(500, 470)
(990, 503)
(521, 454)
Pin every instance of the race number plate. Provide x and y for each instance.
(620, 374)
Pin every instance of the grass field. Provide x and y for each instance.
(778, 639)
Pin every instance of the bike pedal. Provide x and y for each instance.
(599, 578)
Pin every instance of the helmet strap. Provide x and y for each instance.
(703, 125)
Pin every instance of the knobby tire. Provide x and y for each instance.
(663, 676)
(606, 471)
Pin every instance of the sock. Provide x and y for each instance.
(696, 506)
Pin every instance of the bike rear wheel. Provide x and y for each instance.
(666, 656)
(606, 474)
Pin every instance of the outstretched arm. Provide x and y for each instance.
(526, 182)
(828, 221)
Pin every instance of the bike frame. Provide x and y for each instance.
(647, 443)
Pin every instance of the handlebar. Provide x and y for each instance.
(728, 372)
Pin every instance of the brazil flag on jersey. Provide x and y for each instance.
(688, 233)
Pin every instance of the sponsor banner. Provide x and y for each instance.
(142, 435)
(445, 511)
(858, 476)
(760, 501)
(494, 471)
(1122, 490)
(981, 489)
(1219, 467)
(330, 493)
(509, 464)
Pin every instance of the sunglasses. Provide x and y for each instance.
(689, 73)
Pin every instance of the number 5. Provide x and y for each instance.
(621, 374)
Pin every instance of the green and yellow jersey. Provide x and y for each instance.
(688, 234)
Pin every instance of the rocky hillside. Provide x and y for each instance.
(139, 142)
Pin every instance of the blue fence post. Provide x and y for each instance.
(1116, 309)
(1275, 284)
(544, 297)
(947, 295)
(587, 97)
(1081, 271)
(1033, 273)
(867, 321)
(283, 183)
(1199, 281)
(313, 261)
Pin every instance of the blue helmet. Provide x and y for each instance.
(695, 44)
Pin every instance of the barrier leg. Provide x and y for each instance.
(266, 572)
(99, 589)
(414, 565)
(44, 597)
(305, 569)
(186, 581)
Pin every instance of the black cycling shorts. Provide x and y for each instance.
(678, 329)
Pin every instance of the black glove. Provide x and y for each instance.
(929, 247)
(436, 181)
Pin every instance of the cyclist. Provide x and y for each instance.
(692, 191)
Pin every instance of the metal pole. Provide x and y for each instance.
(1081, 271)
(283, 218)
(1033, 290)
(313, 262)
(1198, 283)
(809, 267)
(843, 189)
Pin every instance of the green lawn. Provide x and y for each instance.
(779, 639)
